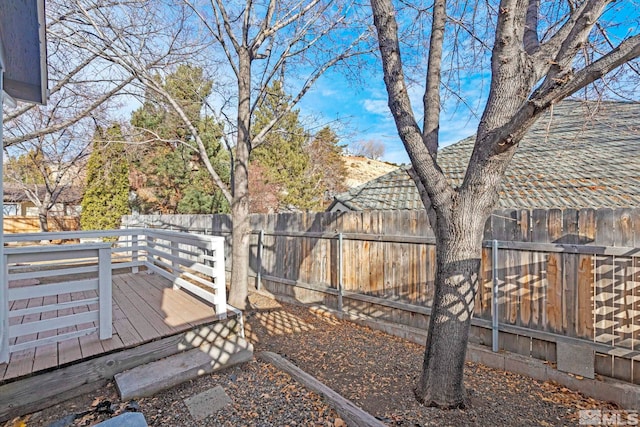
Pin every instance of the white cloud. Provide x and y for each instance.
(376, 106)
(329, 92)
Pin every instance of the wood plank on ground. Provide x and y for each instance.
(350, 413)
(36, 392)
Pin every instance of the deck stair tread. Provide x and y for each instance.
(151, 378)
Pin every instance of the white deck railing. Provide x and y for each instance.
(49, 274)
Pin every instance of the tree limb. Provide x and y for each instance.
(64, 124)
(531, 42)
(438, 189)
(217, 34)
(431, 98)
(558, 52)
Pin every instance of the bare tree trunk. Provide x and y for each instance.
(42, 218)
(527, 77)
(458, 268)
(241, 230)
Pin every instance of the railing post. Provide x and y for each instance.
(148, 243)
(219, 280)
(259, 272)
(4, 275)
(134, 253)
(105, 293)
(340, 272)
(494, 297)
(174, 264)
(4, 310)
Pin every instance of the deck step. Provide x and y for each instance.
(146, 380)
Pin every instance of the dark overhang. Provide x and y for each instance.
(23, 48)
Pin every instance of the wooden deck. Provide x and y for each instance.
(145, 309)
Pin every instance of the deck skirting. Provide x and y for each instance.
(42, 390)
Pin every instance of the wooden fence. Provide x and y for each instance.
(562, 275)
(31, 224)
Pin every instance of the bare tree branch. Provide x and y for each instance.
(434, 180)
(431, 98)
(9, 141)
(531, 41)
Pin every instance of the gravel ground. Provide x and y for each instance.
(374, 370)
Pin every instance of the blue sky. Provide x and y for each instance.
(363, 113)
(363, 108)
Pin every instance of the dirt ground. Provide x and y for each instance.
(374, 370)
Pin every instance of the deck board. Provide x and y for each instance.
(89, 344)
(21, 362)
(145, 308)
(47, 355)
(180, 309)
(123, 328)
(68, 350)
(136, 315)
(149, 306)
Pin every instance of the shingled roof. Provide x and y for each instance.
(578, 155)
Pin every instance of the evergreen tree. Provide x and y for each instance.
(327, 162)
(169, 175)
(106, 198)
(283, 156)
(27, 169)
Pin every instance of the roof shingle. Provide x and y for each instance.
(578, 155)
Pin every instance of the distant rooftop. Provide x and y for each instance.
(68, 194)
(578, 155)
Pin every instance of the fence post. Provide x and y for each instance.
(340, 272)
(105, 293)
(4, 310)
(494, 297)
(259, 272)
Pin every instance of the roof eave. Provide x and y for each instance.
(23, 26)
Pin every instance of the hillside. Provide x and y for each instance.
(362, 169)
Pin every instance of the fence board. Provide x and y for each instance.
(542, 288)
(605, 279)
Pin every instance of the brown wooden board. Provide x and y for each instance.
(555, 225)
(605, 276)
(523, 272)
(540, 285)
(585, 298)
(553, 307)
